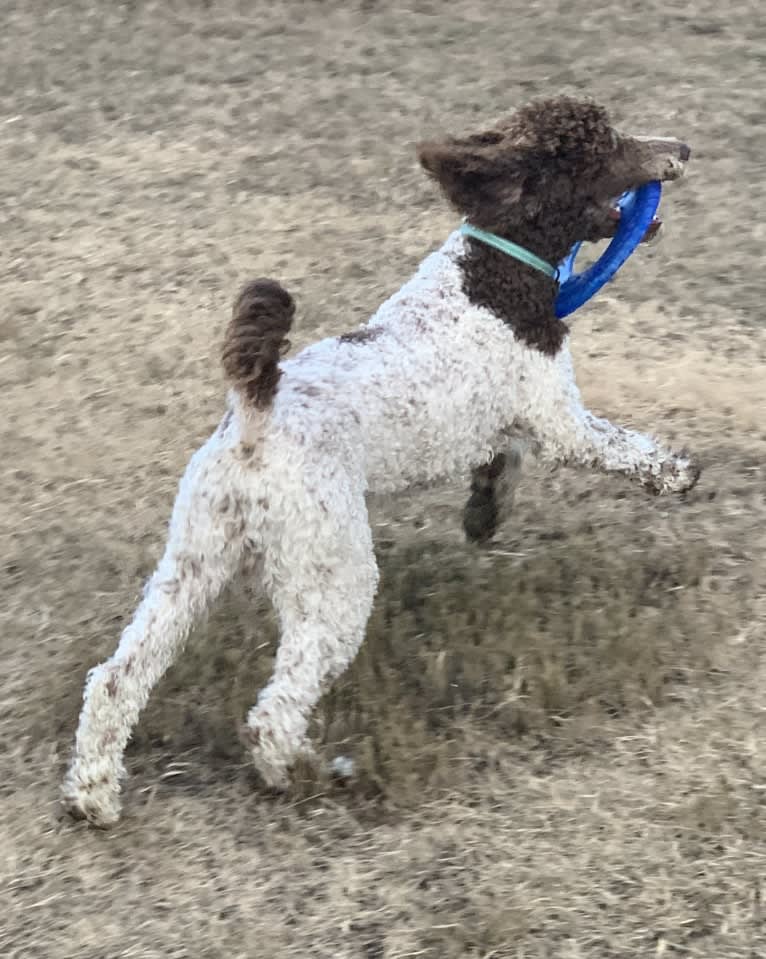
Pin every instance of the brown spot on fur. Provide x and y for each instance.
(256, 340)
(248, 736)
(365, 334)
(307, 389)
(226, 421)
(111, 686)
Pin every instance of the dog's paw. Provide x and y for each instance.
(96, 802)
(676, 475)
(273, 758)
(480, 516)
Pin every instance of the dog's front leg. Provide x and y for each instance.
(493, 486)
(575, 436)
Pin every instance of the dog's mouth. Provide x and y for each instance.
(605, 220)
(615, 215)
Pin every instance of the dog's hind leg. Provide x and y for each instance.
(322, 579)
(493, 487)
(203, 549)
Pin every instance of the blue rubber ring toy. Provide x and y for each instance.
(637, 209)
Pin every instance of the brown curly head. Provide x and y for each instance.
(548, 175)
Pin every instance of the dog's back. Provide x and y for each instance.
(422, 392)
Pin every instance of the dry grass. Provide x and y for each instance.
(559, 740)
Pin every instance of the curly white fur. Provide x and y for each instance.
(437, 387)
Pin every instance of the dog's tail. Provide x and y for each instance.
(256, 340)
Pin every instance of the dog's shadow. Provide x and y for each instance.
(469, 652)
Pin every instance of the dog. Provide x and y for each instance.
(459, 373)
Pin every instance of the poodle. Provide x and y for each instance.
(459, 373)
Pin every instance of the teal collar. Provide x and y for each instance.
(512, 249)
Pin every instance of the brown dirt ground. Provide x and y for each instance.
(560, 739)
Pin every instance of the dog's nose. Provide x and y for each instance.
(684, 153)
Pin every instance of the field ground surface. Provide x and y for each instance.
(559, 739)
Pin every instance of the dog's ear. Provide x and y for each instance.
(473, 172)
